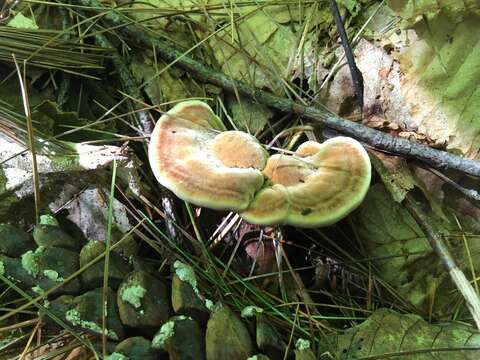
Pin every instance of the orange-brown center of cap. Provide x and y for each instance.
(238, 149)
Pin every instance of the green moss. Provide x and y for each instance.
(94, 246)
(2, 268)
(52, 275)
(186, 273)
(74, 317)
(37, 289)
(302, 344)
(209, 304)
(165, 333)
(48, 220)
(117, 356)
(30, 263)
(133, 294)
(250, 311)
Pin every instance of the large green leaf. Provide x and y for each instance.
(441, 62)
(404, 258)
(388, 334)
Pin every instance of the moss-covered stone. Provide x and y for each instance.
(93, 276)
(186, 301)
(85, 312)
(182, 338)
(143, 301)
(137, 348)
(43, 269)
(13, 241)
(227, 336)
(56, 264)
(268, 339)
(52, 235)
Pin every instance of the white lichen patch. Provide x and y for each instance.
(302, 344)
(133, 294)
(166, 332)
(88, 208)
(67, 169)
(73, 316)
(250, 311)
(91, 157)
(16, 179)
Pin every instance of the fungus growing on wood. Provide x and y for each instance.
(317, 186)
(192, 155)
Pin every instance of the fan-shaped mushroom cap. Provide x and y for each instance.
(317, 186)
(190, 156)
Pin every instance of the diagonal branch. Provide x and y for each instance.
(374, 138)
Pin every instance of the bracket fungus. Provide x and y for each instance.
(191, 154)
(317, 186)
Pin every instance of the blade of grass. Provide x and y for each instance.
(31, 138)
(108, 242)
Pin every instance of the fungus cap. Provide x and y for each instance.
(317, 186)
(192, 155)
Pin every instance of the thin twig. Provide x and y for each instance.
(438, 244)
(470, 193)
(355, 73)
(375, 138)
(106, 267)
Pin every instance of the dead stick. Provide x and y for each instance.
(441, 249)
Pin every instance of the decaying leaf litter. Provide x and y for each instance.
(419, 67)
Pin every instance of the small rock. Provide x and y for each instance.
(137, 348)
(85, 312)
(227, 336)
(185, 301)
(52, 235)
(93, 276)
(268, 339)
(182, 338)
(14, 270)
(13, 241)
(44, 268)
(53, 263)
(143, 301)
